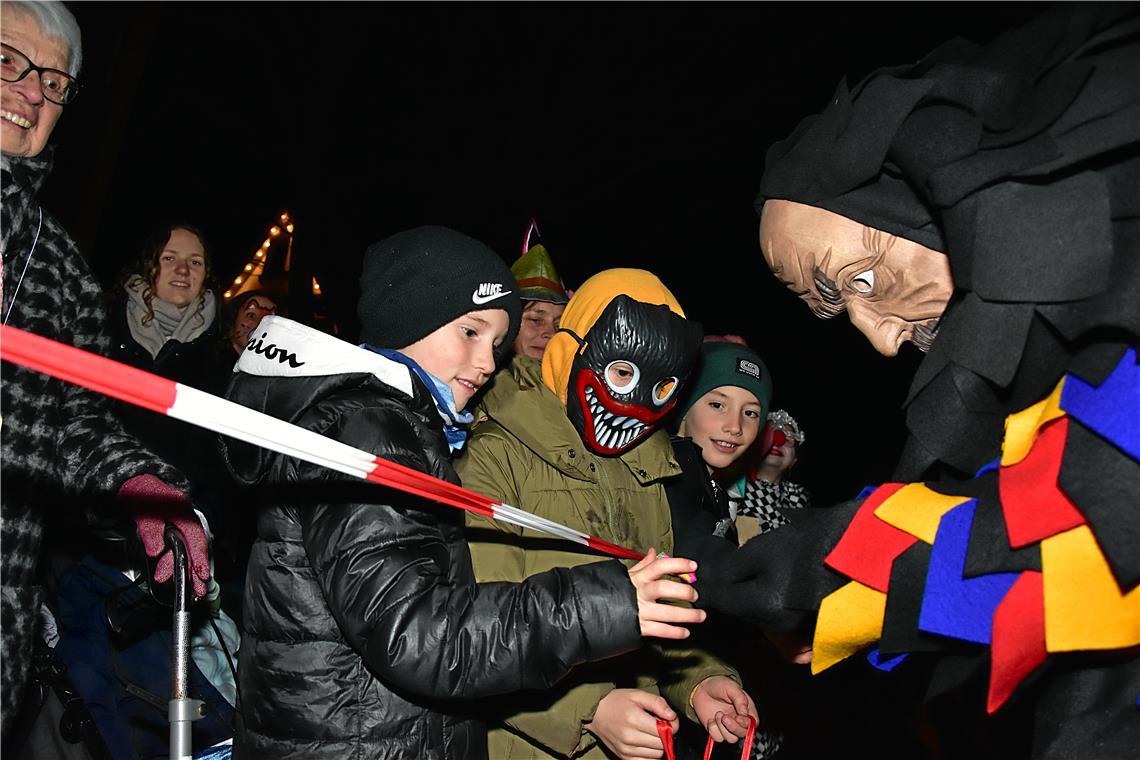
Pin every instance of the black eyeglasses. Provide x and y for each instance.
(57, 86)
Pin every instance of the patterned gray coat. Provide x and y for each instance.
(60, 444)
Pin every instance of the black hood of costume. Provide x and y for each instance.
(1020, 160)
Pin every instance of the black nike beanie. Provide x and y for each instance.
(416, 281)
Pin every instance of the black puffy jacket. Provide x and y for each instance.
(365, 634)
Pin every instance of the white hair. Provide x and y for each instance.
(55, 21)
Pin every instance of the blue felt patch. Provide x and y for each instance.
(988, 467)
(1113, 408)
(867, 491)
(961, 608)
(875, 657)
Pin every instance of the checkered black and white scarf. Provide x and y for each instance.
(766, 502)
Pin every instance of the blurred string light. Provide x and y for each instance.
(253, 269)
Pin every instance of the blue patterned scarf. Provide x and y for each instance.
(455, 422)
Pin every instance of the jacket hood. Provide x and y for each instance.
(586, 306)
(287, 368)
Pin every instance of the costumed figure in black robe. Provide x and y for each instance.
(984, 204)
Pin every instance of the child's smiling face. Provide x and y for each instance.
(723, 423)
(462, 352)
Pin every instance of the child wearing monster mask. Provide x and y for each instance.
(577, 439)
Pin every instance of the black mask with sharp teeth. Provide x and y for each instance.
(662, 347)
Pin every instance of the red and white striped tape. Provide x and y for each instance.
(141, 388)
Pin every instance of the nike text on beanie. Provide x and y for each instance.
(416, 281)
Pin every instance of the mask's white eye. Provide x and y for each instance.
(664, 391)
(864, 283)
(622, 376)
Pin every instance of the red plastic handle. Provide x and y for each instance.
(665, 731)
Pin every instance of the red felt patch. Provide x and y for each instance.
(1017, 646)
(1034, 505)
(869, 546)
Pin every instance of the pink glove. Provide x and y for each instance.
(154, 504)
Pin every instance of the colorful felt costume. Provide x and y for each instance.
(1017, 551)
(1049, 588)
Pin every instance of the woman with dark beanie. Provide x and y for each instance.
(365, 633)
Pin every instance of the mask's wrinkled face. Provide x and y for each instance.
(629, 376)
(893, 289)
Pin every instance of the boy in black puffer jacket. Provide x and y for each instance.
(366, 634)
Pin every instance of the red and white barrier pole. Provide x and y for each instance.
(141, 388)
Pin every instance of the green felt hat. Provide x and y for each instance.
(537, 278)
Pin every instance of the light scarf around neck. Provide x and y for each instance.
(170, 322)
(455, 422)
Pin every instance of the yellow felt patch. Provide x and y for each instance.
(1021, 427)
(1084, 606)
(850, 618)
(917, 510)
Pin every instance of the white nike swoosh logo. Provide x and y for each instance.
(478, 299)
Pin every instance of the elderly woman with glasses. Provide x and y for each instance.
(60, 442)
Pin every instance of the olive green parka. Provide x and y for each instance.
(525, 452)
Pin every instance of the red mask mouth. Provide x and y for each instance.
(611, 426)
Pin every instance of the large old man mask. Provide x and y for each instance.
(979, 204)
(893, 289)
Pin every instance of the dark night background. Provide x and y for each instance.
(636, 134)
